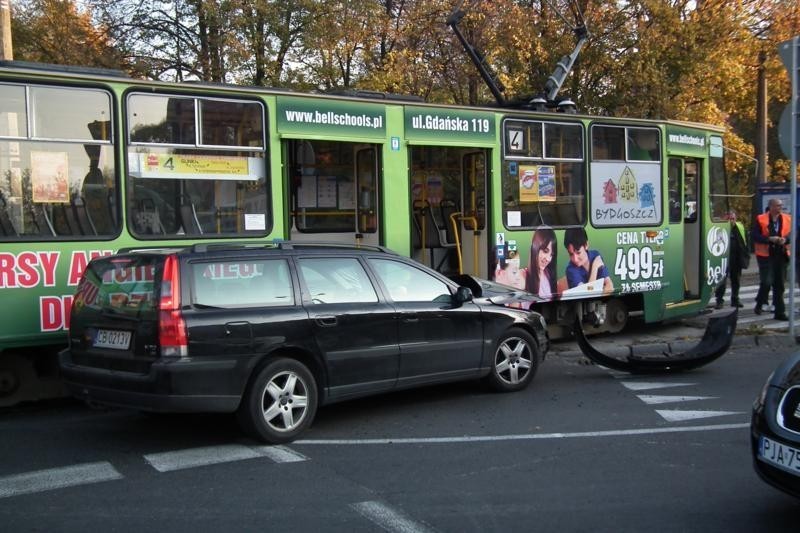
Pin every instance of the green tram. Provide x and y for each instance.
(92, 161)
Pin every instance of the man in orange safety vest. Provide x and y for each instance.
(771, 242)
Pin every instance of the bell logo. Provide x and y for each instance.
(717, 241)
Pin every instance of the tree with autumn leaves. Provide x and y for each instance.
(694, 60)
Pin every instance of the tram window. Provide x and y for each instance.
(523, 138)
(367, 191)
(625, 181)
(608, 143)
(643, 145)
(474, 188)
(690, 184)
(196, 173)
(64, 114)
(226, 123)
(13, 114)
(563, 141)
(334, 186)
(58, 181)
(161, 119)
(674, 178)
(719, 205)
(549, 190)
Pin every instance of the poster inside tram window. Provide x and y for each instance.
(50, 177)
(537, 183)
(528, 183)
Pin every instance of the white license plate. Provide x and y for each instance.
(780, 455)
(109, 338)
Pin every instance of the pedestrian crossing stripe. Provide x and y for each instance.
(681, 416)
(647, 385)
(652, 400)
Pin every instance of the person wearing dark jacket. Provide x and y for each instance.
(738, 260)
(771, 242)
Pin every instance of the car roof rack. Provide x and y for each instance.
(285, 245)
(151, 249)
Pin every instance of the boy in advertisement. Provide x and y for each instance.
(585, 266)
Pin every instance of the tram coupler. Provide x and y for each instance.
(716, 340)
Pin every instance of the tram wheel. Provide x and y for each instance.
(616, 315)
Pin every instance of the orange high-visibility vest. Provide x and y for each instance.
(763, 221)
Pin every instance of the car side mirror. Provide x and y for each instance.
(463, 294)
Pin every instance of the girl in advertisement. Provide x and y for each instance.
(540, 278)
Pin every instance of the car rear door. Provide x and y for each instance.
(355, 329)
(438, 340)
(244, 306)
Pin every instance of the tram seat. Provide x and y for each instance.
(447, 208)
(99, 203)
(64, 220)
(568, 212)
(146, 219)
(416, 230)
(41, 219)
(82, 216)
(6, 225)
(426, 231)
(189, 221)
(437, 234)
(549, 214)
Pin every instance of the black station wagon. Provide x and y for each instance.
(272, 331)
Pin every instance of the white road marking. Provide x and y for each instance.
(387, 518)
(647, 385)
(281, 454)
(57, 478)
(211, 455)
(680, 416)
(651, 400)
(530, 436)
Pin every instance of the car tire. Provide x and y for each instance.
(515, 361)
(280, 402)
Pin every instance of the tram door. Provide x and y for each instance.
(334, 192)
(472, 222)
(448, 195)
(684, 224)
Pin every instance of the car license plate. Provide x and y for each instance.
(109, 338)
(780, 455)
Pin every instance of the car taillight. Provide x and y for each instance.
(171, 326)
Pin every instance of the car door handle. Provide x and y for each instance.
(326, 321)
(410, 317)
(238, 326)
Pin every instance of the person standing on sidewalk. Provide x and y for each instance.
(771, 237)
(738, 260)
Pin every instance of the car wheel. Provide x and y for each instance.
(515, 362)
(280, 402)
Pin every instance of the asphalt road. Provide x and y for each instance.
(582, 449)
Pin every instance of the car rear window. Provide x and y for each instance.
(125, 285)
(261, 283)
